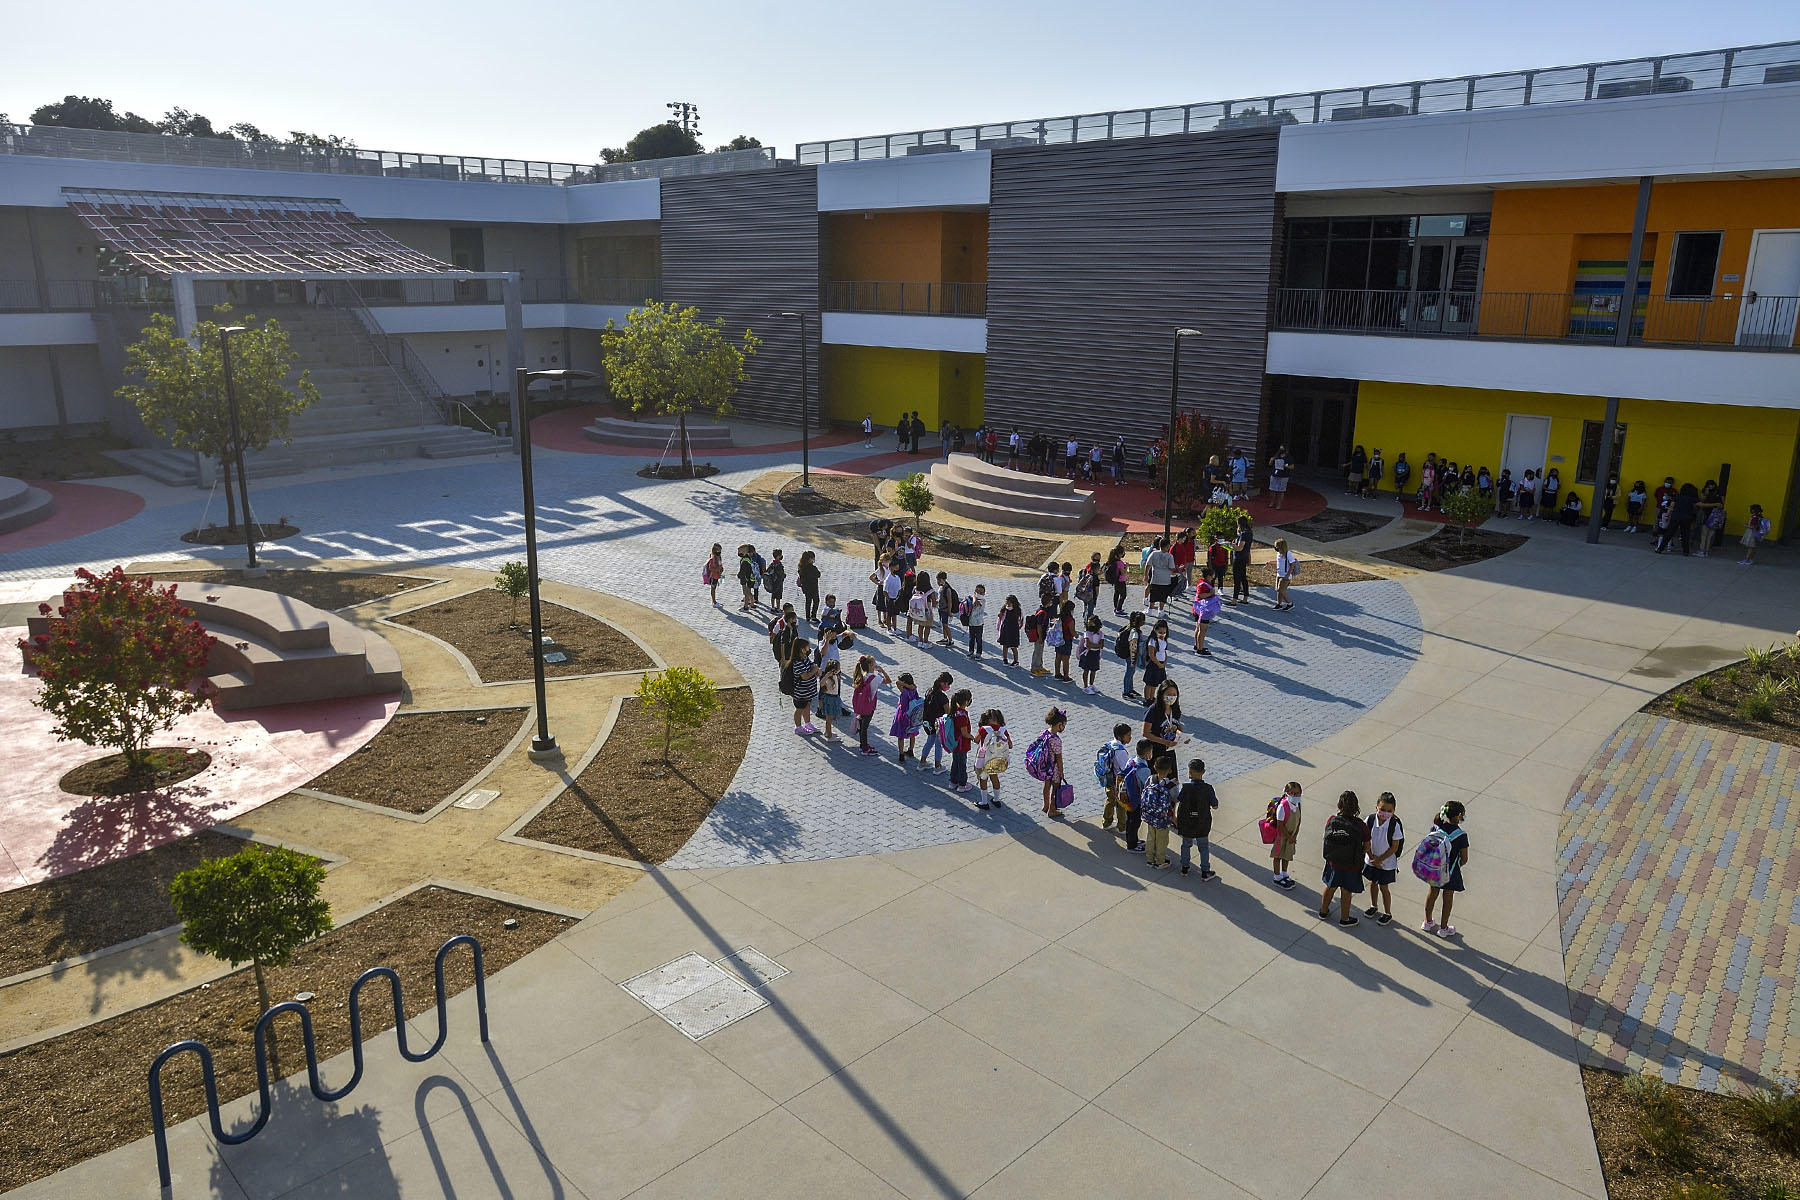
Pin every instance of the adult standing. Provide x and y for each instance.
(1711, 513)
(918, 430)
(1159, 577)
(944, 441)
(1681, 515)
(1116, 575)
(1240, 561)
(807, 576)
(1118, 461)
(880, 529)
(1279, 467)
(1162, 720)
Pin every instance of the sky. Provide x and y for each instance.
(558, 81)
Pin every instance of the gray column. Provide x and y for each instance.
(515, 343)
(37, 261)
(186, 315)
(1634, 263)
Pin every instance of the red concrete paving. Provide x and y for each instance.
(80, 508)
(561, 430)
(1129, 508)
(258, 755)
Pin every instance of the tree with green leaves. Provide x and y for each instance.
(90, 112)
(1466, 508)
(1197, 441)
(257, 906)
(513, 581)
(913, 495)
(669, 361)
(742, 141)
(179, 122)
(667, 140)
(182, 390)
(682, 698)
(318, 141)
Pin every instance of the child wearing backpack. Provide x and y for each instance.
(1193, 819)
(1117, 759)
(1445, 846)
(1157, 804)
(831, 619)
(909, 713)
(1128, 646)
(831, 702)
(947, 604)
(713, 571)
(977, 609)
(1036, 626)
(1346, 846)
(1092, 643)
(1755, 530)
(961, 741)
(1284, 811)
(746, 574)
(937, 706)
(1044, 761)
(863, 698)
(993, 750)
(1386, 840)
(758, 568)
(1131, 792)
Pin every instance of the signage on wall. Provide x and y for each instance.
(1730, 278)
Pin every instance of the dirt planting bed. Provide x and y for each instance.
(967, 545)
(494, 634)
(1726, 699)
(830, 494)
(113, 776)
(1447, 548)
(1722, 1148)
(418, 758)
(329, 590)
(1336, 524)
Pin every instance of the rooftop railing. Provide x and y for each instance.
(57, 141)
(1740, 322)
(1744, 65)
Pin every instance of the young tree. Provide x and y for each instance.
(667, 140)
(118, 663)
(513, 581)
(258, 906)
(1196, 441)
(1466, 509)
(683, 698)
(913, 495)
(668, 360)
(183, 390)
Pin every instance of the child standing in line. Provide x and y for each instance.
(1062, 639)
(923, 608)
(1193, 819)
(1286, 568)
(1119, 760)
(1634, 506)
(977, 619)
(947, 602)
(1157, 805)
(1386, 840)
(1346, 843)
(1756, 528)
(713, 572)
(761, 568)
(831, 702)
(1131, 792)
(908, 713)
(746, 574)
(1525, 497)
(1131, 640)
(1092, 643)
(993, 749)
(1206, 606)
(863, 698)
(937, 704)
(1450, 821)
(1503, 494)
(961, 740)
(1055, 721)
(1284, 810)
(1007, 628)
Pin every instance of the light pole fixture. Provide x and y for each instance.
(237, 445)
(543, 746)
(1169, 450)
(805, 401)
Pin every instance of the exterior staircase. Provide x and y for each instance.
(21, 504)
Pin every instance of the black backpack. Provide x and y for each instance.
(1343, 842)
(1047, 588)
(1122, 644)
(787, 679)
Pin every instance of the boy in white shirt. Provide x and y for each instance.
(1386, 840)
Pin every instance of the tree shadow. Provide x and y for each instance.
(744, 820)
(99, 831)
(281, 1157)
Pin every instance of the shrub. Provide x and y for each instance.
(1678, 701)
(1759, 660)
(1467, 508)
(1758, 704)
(913, 495)
(513, 581)
(1773, 1114)
(1779, 1191)
(683, 697)
(1196, 440)
(119, 662)
(258, 906)
(1729, 674)
(1697, 1187)
(1703, 686)
(1219, 523)
(1663, 1129)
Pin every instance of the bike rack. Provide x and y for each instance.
(319, 1091)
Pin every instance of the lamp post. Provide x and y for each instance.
(1169, 450)
(543, 746)
(237, 446)
(805, 402)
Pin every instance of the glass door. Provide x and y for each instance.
(1446, 283)
(1431, 257)
(1462, 293)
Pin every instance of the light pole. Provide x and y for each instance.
(805, 402)
(237, 445)
(543, 746)
(1169, 450)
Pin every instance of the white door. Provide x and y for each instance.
(1527, 445)
(1771, 289)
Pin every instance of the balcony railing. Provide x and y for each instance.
(1743, 322)
(1700, 71)
(914, 299)
(58, 295)
(85, 295)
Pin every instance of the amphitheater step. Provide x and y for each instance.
(983, 495)
(22, 505)
(656, 434)
(969, 467)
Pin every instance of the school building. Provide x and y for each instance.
(1483, 267)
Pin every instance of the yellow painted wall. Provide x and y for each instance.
(886, 382)
(1688, 441)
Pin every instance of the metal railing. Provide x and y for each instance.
(320, 1092)
(58, 295)
(410, 363)
(1777, 62)
(1743, 322)
(921, 299)
(58, 141)
(620, 290)
(354, 318)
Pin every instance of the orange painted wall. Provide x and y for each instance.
(907, 247)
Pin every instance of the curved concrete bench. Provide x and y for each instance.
(968, 487)
(654, 435)
(274, 649)
(21, 504)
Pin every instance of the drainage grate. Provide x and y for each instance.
(700, 997)
(479, 798)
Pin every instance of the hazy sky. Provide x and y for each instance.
(527, 78)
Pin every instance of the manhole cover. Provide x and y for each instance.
(700, 997)
(479, 798)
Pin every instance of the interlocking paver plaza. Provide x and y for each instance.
(1679, 893)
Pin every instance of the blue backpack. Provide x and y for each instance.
(1103, 762)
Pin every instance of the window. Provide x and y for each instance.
(1590, 450)
(1695, 265)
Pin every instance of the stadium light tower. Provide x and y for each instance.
(685, 114)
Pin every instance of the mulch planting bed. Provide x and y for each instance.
(967, 545)
(329, 590)
(830, 494)
(495, 635)
(419, 758)
(109, 776)
(1314, 572)
(233, 535)
(697, 471)
(101, 906)
(1336, 524)
(81, 1094)
(1447, 548)
(1714, 698)
(61, 458)
(628, 804)
(1726, 1151)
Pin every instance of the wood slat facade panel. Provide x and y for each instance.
(743, 246)
(1097, 252)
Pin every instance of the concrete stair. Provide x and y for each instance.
(654, 435)
(273, 649)
(980, 491)
(21, 504)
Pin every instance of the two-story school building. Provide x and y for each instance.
(1481, 267)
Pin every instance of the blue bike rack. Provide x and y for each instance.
(319, 1090)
